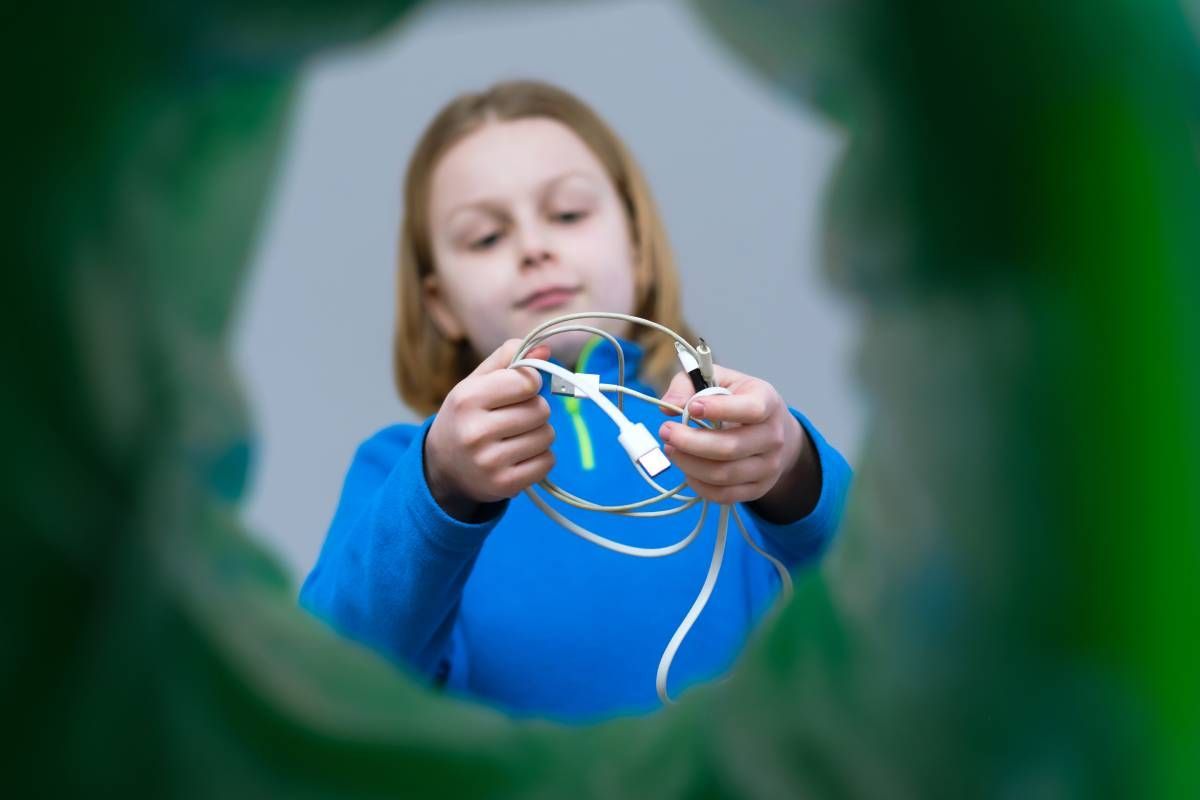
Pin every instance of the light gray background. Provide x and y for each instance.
(738, 174)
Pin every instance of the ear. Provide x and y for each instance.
(443, 317)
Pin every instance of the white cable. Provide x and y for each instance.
(697, 354)
(645, 454)
(710, 581)
(618, 547)
(785, 578)
(534, 341)
(615, 414)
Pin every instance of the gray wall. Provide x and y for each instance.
(738, 174)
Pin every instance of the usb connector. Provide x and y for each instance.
(706, 363)
(655, 462)
(562, 386)
(690, 366)
(643, 448)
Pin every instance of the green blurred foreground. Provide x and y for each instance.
(1013, 607)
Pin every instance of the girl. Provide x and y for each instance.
(521, 205)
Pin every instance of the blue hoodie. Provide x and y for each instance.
(524, 615)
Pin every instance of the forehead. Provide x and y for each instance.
(507, 159)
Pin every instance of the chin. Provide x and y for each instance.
(566, 346)
(539, 316)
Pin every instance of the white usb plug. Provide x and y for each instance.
(637, 440)
(562, 386)
(643, 448)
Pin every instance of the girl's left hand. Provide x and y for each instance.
(761, 454)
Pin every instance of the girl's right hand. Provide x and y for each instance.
(491, 438)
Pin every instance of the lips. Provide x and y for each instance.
(549, 297)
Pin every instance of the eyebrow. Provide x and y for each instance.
(493, 207)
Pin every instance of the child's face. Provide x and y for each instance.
(526, 225)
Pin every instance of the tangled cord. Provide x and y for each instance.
(646, 456)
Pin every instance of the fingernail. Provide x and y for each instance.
(664, 432)
(697, 409)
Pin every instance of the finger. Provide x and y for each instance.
(742, 493)
(520, 476)
(720, 473)
(541, 352)
(499, 358)
(723, 445)
(678, 391)
(681, 387)
(507, 387)
(528, 377)
(515, 419)
(754, 406)
(516, 449)
(729, 378)
(503, 355)
(497, 363)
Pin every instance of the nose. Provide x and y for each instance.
(535, 250)
(535, 257)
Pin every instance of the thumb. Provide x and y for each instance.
(678, 392)
(503, 355)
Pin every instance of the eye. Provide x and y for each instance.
(484, 242)
(569, 217)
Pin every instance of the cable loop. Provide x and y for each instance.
(634, 509)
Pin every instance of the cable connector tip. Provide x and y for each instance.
(655, 462)
(706, 362)
(643, 448)
(559, 385)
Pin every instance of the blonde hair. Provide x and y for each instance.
(427, 365)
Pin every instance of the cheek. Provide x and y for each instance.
(470, 284)
(610, 268)
(476, 293)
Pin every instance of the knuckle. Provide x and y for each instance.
(726, 447)
(467, 434)
(473, 433)
(488, 460)
(507, 484)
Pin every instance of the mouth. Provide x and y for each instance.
(551, 297)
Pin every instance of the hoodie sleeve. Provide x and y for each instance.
(393, 566)
(800, 542)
